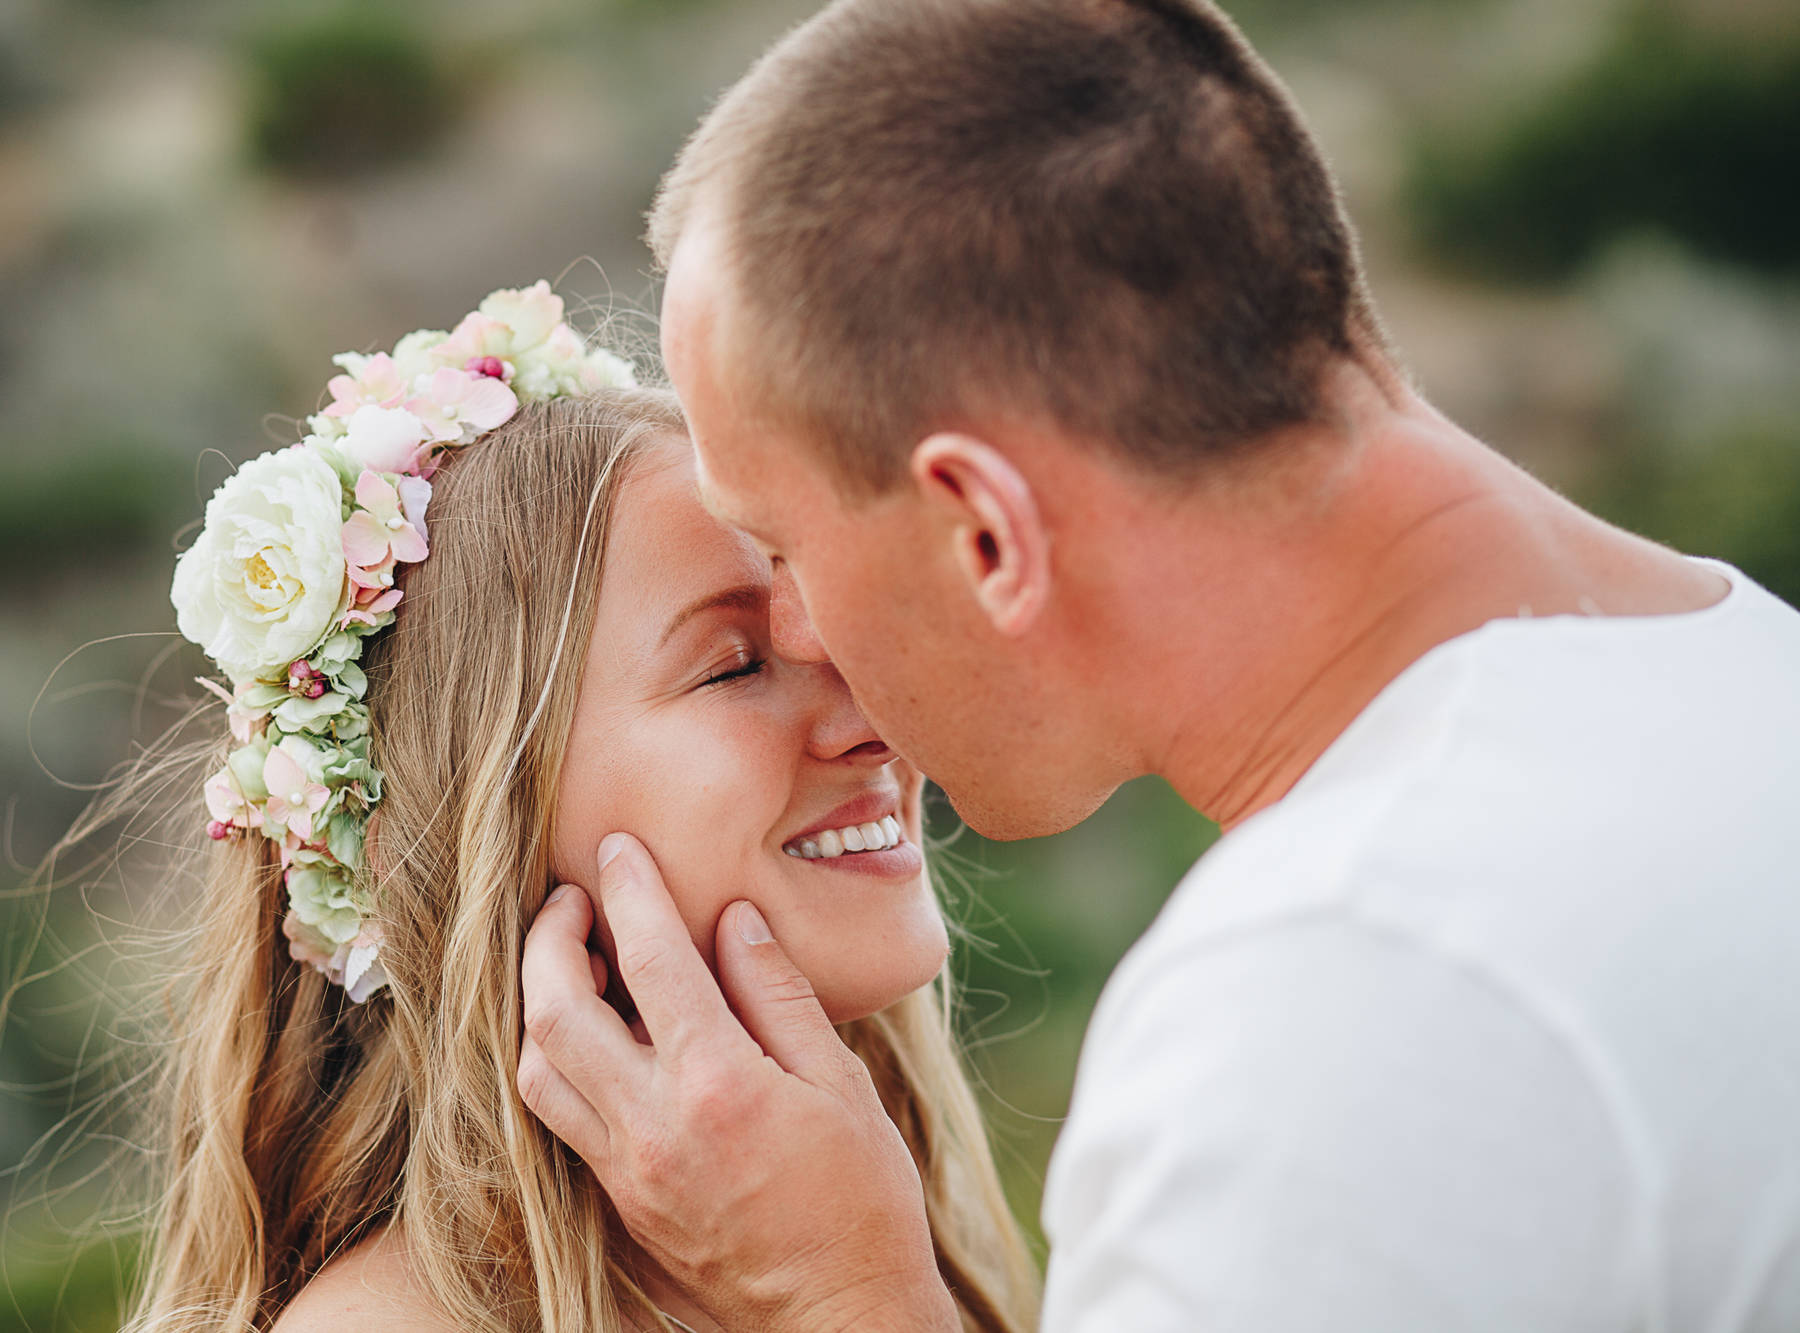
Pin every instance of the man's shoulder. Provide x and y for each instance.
(1439, 970)
(1332, 1088)
(1561, 814)
(1585, 752)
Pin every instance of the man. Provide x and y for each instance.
(1029, 339)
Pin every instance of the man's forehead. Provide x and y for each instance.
(698, 279)
(710, 498)
(718, 498)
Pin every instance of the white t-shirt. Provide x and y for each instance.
(1492, 1023)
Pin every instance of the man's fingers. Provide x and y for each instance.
(675, 995)
(580, 1034)
(776, 1001)
(565, 1112)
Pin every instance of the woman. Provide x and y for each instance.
(583, 650)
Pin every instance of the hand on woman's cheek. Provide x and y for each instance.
(745, 776)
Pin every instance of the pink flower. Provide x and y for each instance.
(292, 845)
(388, 529)
(478, 335)
(378, 602)
(385, 439)
(459, 405)
(229, 807)
(304, 943)
(372, 380)
(508, 323)
(295, 794)
(245, 722)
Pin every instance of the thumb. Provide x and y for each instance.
(773, 999)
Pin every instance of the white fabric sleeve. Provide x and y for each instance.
(1329, 1126)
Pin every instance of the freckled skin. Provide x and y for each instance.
(714, 778)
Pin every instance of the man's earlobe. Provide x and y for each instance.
(998, 537)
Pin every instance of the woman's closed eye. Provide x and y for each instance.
(741, 665)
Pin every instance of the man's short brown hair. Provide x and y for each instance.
(1103, 212)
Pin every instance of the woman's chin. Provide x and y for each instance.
(847, 994)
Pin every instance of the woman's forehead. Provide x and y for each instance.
(663, 549)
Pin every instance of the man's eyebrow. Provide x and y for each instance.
(744, 597)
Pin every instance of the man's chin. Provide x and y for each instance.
(1007, 814)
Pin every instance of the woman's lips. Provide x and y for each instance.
(872, 804)
(865, 834)
(901, 861)
(876, 835)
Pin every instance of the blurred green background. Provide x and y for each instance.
(1579, 216)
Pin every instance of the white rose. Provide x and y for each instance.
(264, 582)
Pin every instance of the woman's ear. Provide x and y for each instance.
(998, 534)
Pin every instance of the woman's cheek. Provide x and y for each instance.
(704, 814)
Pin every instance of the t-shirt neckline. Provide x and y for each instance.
(1736, 593)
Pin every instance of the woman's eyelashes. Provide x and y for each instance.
(741, 665)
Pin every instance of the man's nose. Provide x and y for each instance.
(791, 632)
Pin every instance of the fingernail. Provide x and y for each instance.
(610, 847)
(750, 925)
(560, 892)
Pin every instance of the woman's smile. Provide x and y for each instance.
(746, 775)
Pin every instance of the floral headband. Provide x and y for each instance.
(294, 569)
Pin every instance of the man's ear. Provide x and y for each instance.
(1000, 542)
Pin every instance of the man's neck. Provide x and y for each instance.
(1424, 535)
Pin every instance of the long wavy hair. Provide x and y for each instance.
(292, 1124)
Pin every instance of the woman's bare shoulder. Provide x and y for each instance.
(369, 1289)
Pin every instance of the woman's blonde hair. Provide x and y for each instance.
(296, 1124)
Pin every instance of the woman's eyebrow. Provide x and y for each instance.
(744, 597)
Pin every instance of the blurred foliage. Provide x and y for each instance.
(1668, 127)
(1038, 926)
(91, 503)
(81, 1293)
(1258, 15)
(653, 11)
(1736, 498)
(347, 91)
(22, 86)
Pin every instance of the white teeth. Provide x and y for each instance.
(874, 836)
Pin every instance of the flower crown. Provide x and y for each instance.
(294, 569)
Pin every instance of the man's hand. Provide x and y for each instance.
(751, 1159)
